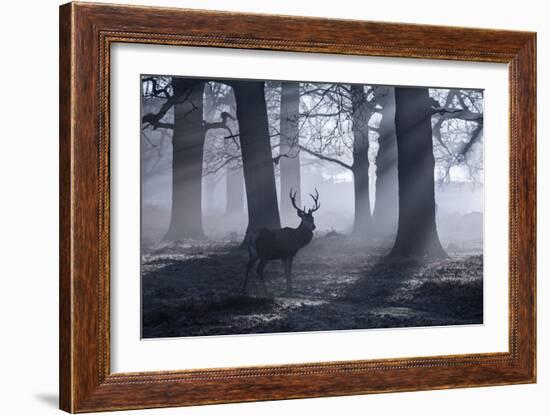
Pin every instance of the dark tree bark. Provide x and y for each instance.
(188, 145)
(386, 201)
(289, 163)
(361, 114)
(259, 176)
(417, 231)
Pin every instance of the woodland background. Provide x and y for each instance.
(399, 170)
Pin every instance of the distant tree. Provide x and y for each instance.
(386, 201)
(155, 144)
(337, 129)
(360, 115)
(234, 190)
(289, 150)
(184, 98)
(187, 150)
(223, 156)
(458, 133)
(187, 147)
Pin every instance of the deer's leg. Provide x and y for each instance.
(260, 269)
(251, 262)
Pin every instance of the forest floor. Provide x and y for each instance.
(339, 283)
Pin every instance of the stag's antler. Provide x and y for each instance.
(316, 200)
(293, 200)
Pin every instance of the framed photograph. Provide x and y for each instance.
(258, 207)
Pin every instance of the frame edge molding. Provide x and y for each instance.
(86, 31)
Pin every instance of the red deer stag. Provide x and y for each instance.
(268, 245)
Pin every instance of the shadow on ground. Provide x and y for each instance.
(51, 400)
(340, 283)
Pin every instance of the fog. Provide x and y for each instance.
(458, 191)
(394, 238)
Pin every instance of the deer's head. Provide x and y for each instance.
(306, 216)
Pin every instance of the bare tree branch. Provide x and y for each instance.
(326, 158)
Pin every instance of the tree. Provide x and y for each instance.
(185, 99)
(187, 153)
(250, 148)
(360, 168)
(338, 128)
(457, 131)
(223, 154)
(386, 202)
(289, 150)
(155, 144)
(257, 159)
(417, 231)
(234, 188)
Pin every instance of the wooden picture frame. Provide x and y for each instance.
(86, 33)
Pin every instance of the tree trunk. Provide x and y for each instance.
(386, 194)
(361, 114)
(209, 187)
(362, 224)
(234, 182)
(259, 176)
(289, 162)
(187, 157)
(417, 231)
(234, 189)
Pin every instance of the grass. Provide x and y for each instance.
(339, 283)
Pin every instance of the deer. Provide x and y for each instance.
(283, 244)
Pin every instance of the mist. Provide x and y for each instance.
(280, 206)
(458, 193)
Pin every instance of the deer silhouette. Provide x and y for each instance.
(267, 245)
